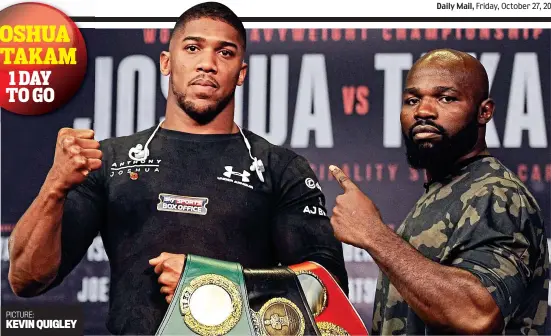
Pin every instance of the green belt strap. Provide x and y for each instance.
(199, 271)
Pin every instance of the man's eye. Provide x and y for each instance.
(448, 99)
(411, 101)
(226, 53)
(191, 48)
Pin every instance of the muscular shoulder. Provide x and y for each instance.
(495, 207)
(485, 194)
(277, 157)
(491, 181)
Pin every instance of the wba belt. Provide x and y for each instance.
(216, 297)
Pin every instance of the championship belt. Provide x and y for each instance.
(333, 312)
(210, 299)
(277, 303)
(216, 297)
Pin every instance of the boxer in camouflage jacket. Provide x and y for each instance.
(471, 256)
(483, 220)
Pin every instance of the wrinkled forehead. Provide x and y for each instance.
(440, 74)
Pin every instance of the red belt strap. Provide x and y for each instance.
(335, 314)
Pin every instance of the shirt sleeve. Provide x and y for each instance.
(500, 239)
(83, 215)
(302, 230)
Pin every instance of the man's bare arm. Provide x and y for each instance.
(35, 243)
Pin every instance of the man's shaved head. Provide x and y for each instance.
(445, 109)
(469, 69)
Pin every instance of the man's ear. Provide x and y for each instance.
(486, 111)
(242, 74)
(165, 63)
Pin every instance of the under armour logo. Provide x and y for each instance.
(244, 176)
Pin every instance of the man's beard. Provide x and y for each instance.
(440, 156)
(202, 116)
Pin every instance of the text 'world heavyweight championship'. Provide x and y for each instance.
(215, 297)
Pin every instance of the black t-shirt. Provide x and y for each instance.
(195, 194)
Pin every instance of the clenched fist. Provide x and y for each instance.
(76, 155)
(168, 266)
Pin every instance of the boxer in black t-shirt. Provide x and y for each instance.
(194, 184)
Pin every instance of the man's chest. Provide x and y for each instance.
(194, 189)
(431, 223)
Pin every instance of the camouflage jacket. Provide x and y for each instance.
(484, 220)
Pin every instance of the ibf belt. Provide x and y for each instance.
(333, 312)
(215, 297)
